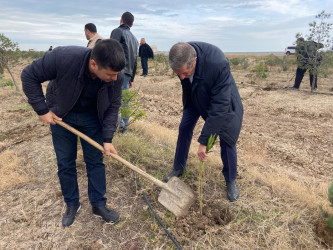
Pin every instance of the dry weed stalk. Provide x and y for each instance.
(330, 198)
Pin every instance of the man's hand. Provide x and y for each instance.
(109, 148)
(130, 84)
(49, 118)
(202, 153)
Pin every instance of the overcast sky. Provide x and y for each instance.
(232, 25)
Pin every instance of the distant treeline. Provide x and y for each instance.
(33, 54)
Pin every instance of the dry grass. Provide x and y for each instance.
(274, 211)
(13, 173)
(7, 91)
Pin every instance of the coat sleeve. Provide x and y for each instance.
(110, 117)
(140, 51)
(32, 77)
(151, 53)
(220, 108)
(134, 69)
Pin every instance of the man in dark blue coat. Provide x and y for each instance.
(209, 91)
(85, 92)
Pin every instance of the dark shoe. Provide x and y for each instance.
(293, 88)
(176, 173)
(142, 74)
(232, 191)
(70, 214)
(110, 216)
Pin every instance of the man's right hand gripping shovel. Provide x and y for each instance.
(49, 118)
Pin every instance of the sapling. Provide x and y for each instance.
(130, 106)
(210, 144)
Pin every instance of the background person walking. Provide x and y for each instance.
(145, 52)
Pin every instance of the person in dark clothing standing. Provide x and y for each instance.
(307, 59)
(130, 45)
(145, 52)
(85, 92)
(209, 91)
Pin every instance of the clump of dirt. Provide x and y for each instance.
(324, 233)
(195, 224)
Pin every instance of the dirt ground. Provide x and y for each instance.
(285, 167)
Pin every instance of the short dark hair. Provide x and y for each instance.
(91, 27)
(109, 54)
(128, 18)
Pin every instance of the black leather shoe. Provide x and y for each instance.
(109, 215)
(176, 173)
(232, 191)
(70, 214)
(294, 88)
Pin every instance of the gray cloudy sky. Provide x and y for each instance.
(234, 26)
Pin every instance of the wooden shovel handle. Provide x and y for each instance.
(117, 157)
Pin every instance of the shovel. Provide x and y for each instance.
(176, 196)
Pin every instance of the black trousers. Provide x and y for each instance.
(186, 127)
(299, 77)
(144, 64)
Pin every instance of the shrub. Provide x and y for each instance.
(245, 62)
(261, 70)
(161, 58)
(273, 60)
(235, 61)
(284, 63)
(325, 67)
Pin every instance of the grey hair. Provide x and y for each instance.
(181, 54)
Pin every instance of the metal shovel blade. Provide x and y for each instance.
(179, 204)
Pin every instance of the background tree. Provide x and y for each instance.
(321, 32)
(9, 54)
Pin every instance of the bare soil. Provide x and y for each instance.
(285, 167)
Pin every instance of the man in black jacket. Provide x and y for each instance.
(209, 91)
(85, 92)
(145, 52)
(130, 45)
(307, 59)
